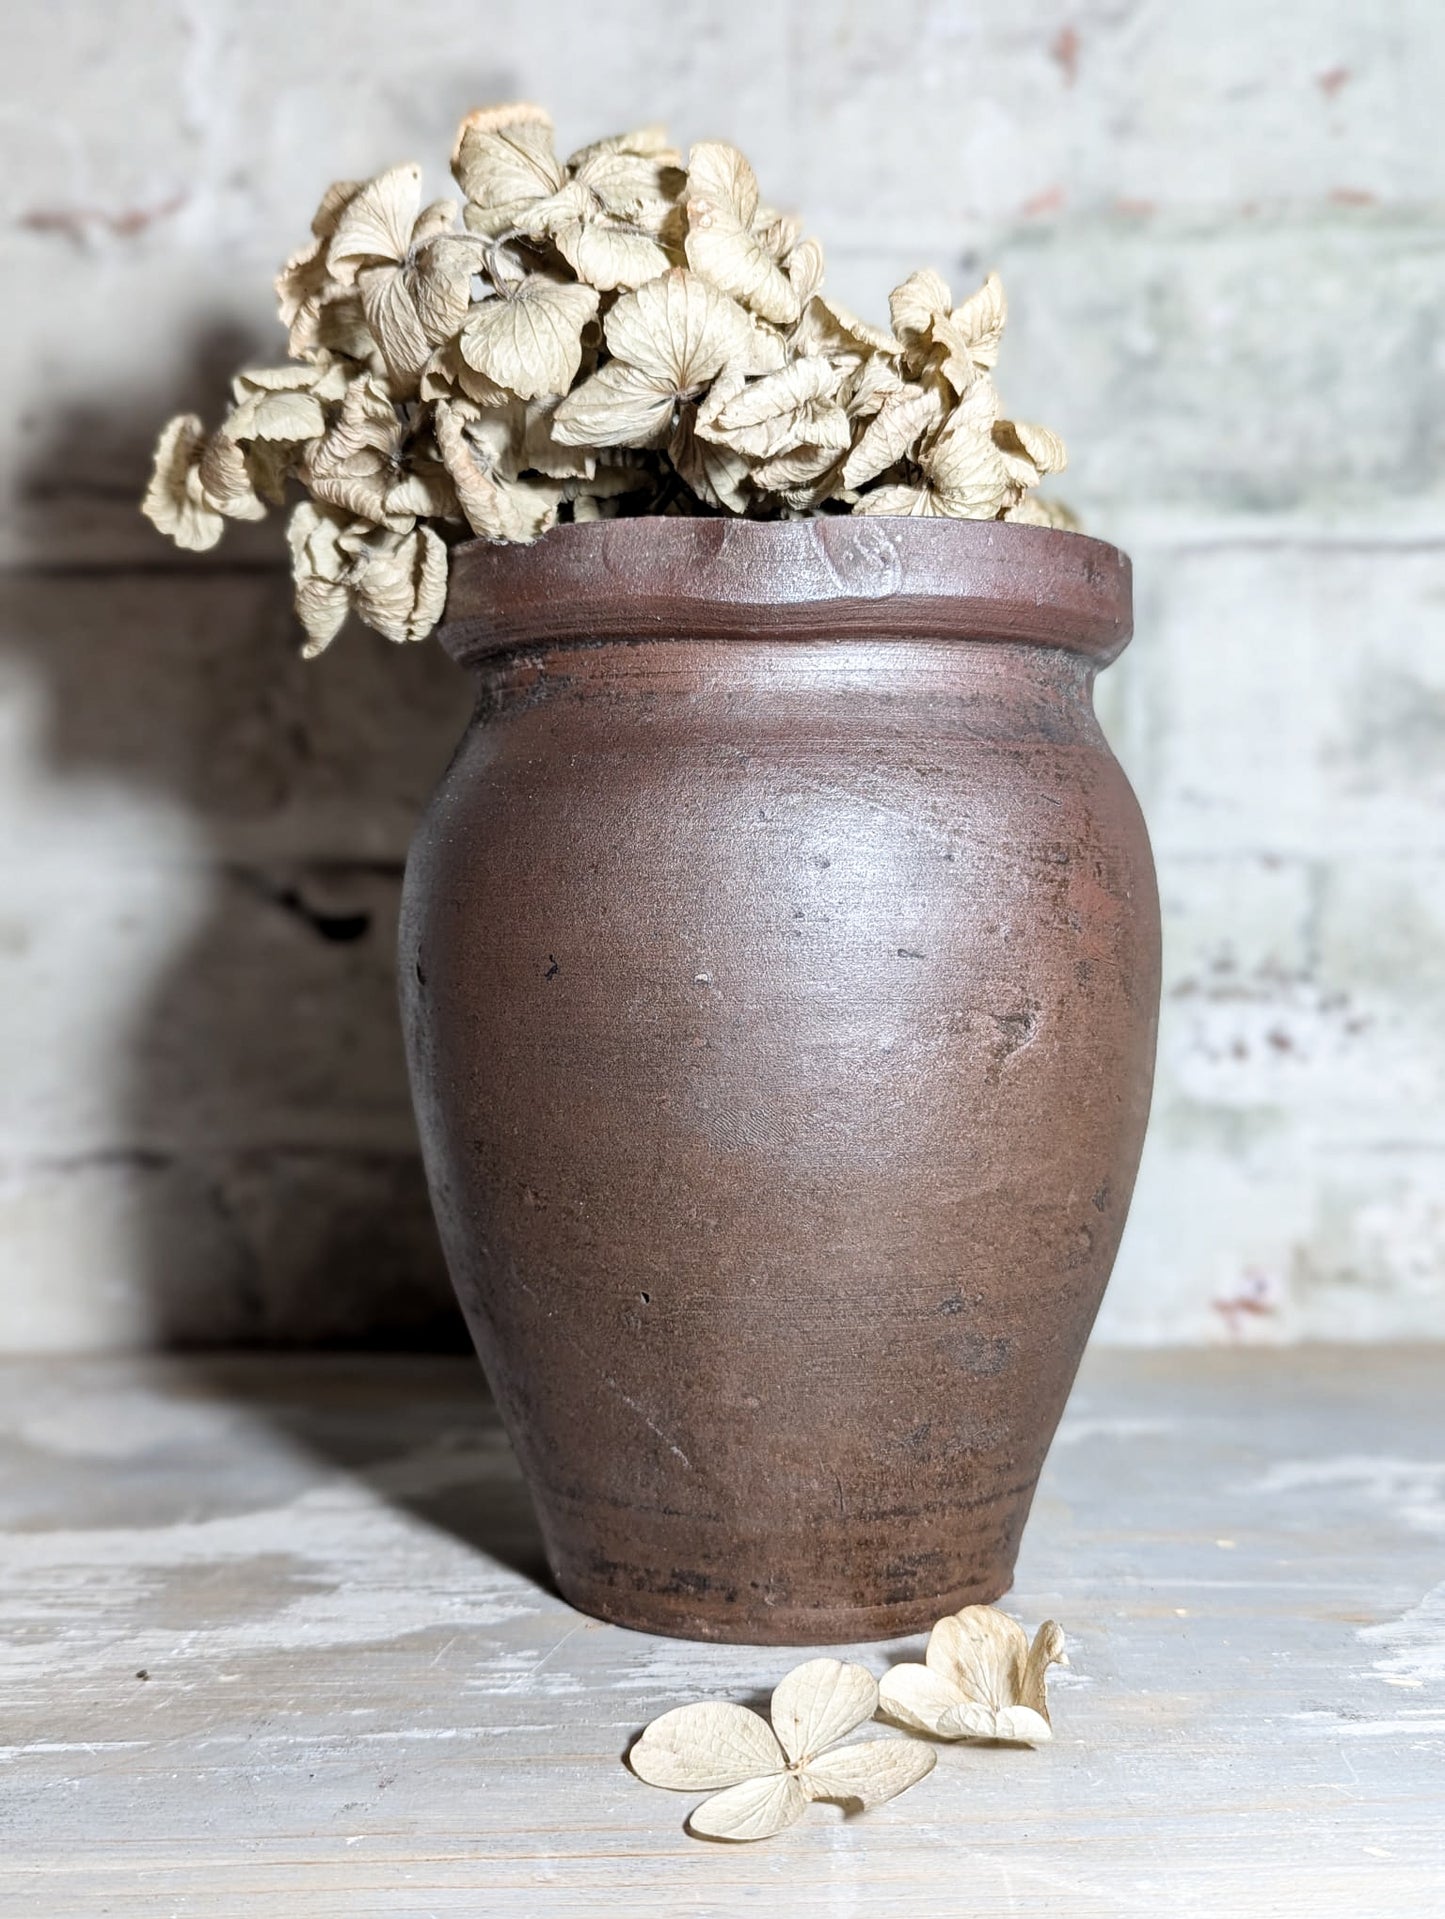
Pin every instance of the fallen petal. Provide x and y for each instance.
(755, 1809)
(869, 1773)
(713, 1743)
(917, 1697)
(819, 1702)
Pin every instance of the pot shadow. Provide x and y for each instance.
(217, 833)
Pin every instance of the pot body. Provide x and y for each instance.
(781, 1017)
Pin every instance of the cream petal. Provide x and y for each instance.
(285, 415)
(376, 224)
(1045, 449)
(915, 1696)
(819, 1702)
(826, 326)
(321, 607)
(227, 481)
(638, 188)
(496, 508)
(651, 142)
(531, 341)
(432, 222)
(1047, 1650)
(968, 1720)
(805, 268)
(894, 432)
(440, 283)
(542, 452)
(978, 409)
(174, 501)
(869, 1773)
(395, 325)
(797, 466)
(318, 568)
(571, 202)
(607, 256)
(503, 161)
(713, 1743)
(981, 1652)
(899, 502)
(778, 394)
(869, 385)
(617, 406)
(1021, 1726)
(1032, 511)
(334, 202)
(678, 330)
(779, 232)
(754, 1809)
(971, 482)
(976, 328)
(764, 351)
(914, 306)
(400, 589)
(722, 199)
(610, 482)
(715, 473)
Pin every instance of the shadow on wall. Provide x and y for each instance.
(215, 834)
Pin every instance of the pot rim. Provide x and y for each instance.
(835, 577)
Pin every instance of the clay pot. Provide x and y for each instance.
(780, 975)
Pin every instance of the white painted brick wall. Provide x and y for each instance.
(1221, 228)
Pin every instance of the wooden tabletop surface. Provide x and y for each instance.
(275, 1640)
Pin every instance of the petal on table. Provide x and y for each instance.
(756, 1809)
(917, 1697)
(819, 1702)
(869, 1773)
(1022, 1726)
(710, 1744)
(982, 1651)
(1047, 1650)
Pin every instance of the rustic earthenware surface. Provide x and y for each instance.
(780, 975)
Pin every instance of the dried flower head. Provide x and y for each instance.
(763, 1777)
(614, 333)
(981, 1680)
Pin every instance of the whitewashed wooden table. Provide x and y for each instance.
(273, 1640)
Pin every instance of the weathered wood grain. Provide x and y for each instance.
(360, 1700)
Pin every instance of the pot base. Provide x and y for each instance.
(783, 1625)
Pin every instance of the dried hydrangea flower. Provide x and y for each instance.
(399, 582)
(286, 404)
(197, 483)
(722, 242)
(527, 339)
(396, 581)
(304, 286)
(613, 218)
(1032, 511)
(769, 1774)
(504, 163)
(981, 1680)
(1029, 452)
(962, 342)
(669, 340)
(901, 420)
(366, 464)
(481, 449)
(412, 272)
(613, 333)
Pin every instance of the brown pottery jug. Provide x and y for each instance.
(780, 973)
